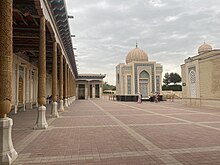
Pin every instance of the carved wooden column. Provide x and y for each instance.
(74, 88)
(36, 88)
(64, 82)
(72, 84)
(41, 119)
(61, 83)
(54, 112)
(7, 151)
(65, 86)
(77, 91)
(68, 85)
(17, 89)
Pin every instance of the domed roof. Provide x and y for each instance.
(204, 48)
(136, 55)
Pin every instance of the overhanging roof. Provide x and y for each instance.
(90, 76)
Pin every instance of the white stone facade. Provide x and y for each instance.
(201, 78)
(138, 75)
(89, 86)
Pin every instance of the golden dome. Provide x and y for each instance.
(136, 55)
(204, 48)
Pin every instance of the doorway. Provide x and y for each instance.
(81, 91)
(90, 90)
(144, 83)
(97, 91)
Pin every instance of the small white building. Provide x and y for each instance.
(138, 75)
(89, 86)
(201, 78)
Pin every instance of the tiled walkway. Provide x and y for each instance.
(96, 132)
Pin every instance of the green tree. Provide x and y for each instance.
(107, 86)
(175, 78)
(172, 87)
(166, 79)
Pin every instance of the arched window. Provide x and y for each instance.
(128, 84)
(118, 78)
(192, 82)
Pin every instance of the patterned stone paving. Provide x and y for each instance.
(145, 119)
(83, 121)
(103, 132)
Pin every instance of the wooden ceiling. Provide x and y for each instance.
(26, 32)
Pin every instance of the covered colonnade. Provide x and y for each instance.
(36, 61)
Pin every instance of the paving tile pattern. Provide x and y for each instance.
(103, 132)
(83, 121)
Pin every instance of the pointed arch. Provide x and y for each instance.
(144, 79)
(192, 83)
(144, 74)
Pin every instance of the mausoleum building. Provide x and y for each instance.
(201, 78)
(138, 75)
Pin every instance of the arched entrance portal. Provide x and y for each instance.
(144, 83)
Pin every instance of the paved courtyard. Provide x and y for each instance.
(96, 132)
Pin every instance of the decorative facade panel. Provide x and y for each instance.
(159, 69)
(136, 75)
(192, 81)
(158, 84)
(126, 68)
(129, 84)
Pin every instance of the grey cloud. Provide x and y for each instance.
(168, 30)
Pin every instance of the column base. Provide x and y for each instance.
(65, 103)
(41, 118)
(36, 104)
(16, 109)
(54, 112)
(7, 152)
(61, 106)
(24, 108)
(68, 101)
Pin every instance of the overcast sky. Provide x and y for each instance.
(169, 31)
